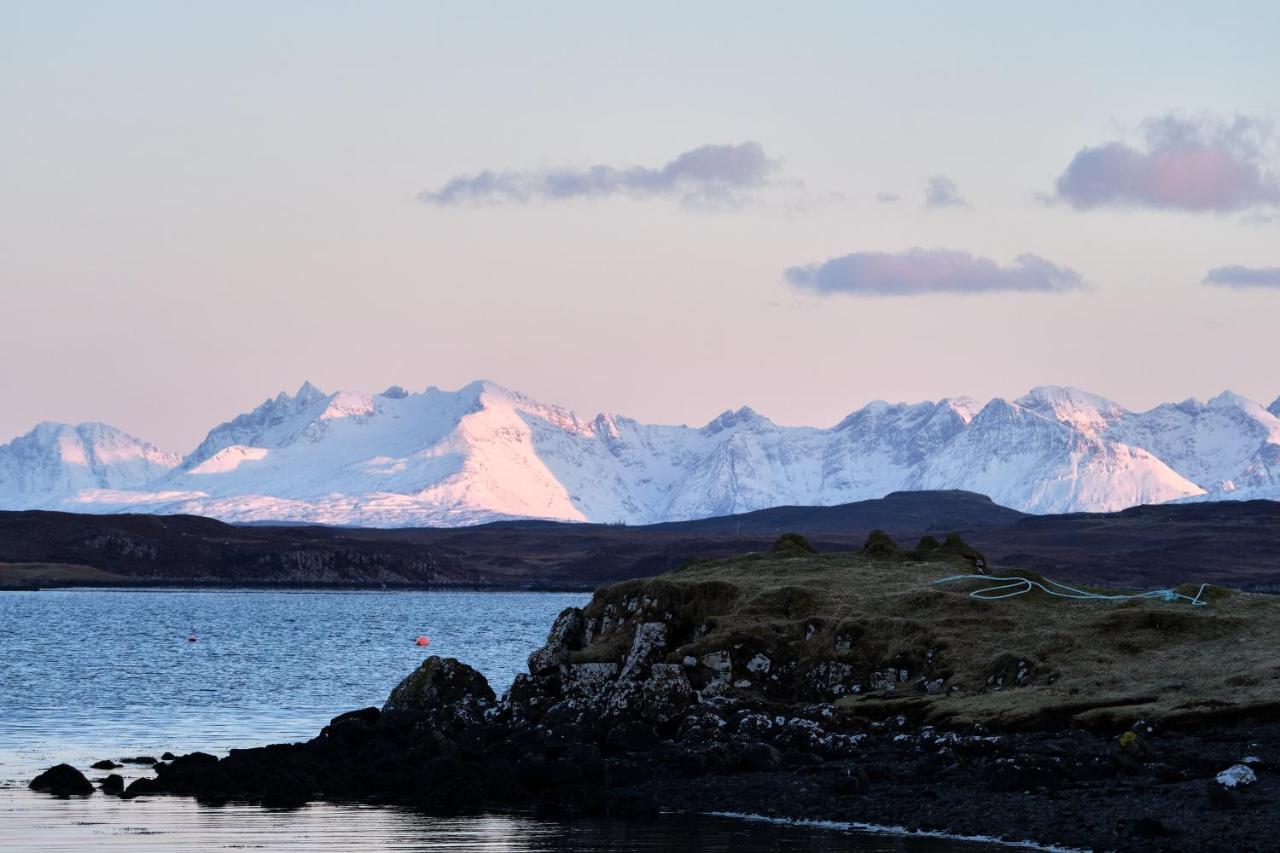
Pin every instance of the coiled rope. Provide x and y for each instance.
(1008, 587)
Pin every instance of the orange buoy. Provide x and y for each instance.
(423, 640)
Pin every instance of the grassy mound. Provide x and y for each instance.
(937, 654)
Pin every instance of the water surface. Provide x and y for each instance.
(90, 674)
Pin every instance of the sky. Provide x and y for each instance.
(662, 210)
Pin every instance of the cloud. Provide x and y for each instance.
(919, 271)
(888, 198)
(713, 176)
(941, 191)
(1238, 276)
(1202, 164)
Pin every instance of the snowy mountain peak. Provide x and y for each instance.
(55, 460)
(730, 419)
(1081, 410)
(308, 393)
(1232, 400)
(484, 452)
(1274, 408)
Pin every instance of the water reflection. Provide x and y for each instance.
(46, 824)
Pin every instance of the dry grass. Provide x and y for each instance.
(24, 575)
(1087, 662)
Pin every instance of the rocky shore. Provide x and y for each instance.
(848, 688)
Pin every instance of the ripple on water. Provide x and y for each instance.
(90, 674)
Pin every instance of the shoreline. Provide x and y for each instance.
(144, 584)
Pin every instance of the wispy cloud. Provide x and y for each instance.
(888, 198)
(1202, 164)
(920, 271)
(1238, 276)
(712, 176)
(941, 191)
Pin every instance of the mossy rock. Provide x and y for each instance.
(792, 545)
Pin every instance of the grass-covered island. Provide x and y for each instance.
(846, 687)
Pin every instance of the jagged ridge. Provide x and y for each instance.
(483, 453)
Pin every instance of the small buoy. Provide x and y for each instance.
(191, 638)
(423, 640)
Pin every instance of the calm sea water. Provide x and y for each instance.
(90, 674)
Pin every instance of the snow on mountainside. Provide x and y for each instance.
(483, 452)
(1230, 446)
(55, 461)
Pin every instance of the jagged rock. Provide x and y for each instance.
(830, 679)
(444, 692)
(885, 680)
(588, 681)
(759, 664)
(633, 736)
(113, 784)
(701, 727)
(650, 639)
(63, 780)
(665, 694)
(1236, 776)
(567, 628)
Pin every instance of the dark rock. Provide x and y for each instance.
(542, 773)
(758, 756)
(105, 764)
(140, 759)
(168, 756)
(1220, 798)
(564, 632)
(63, 780)
(629, 804)
(1019, 776)
(1150, 827)
(795, 760)
(145, 785)
(633, 736)
(851, 781)
(286, 791)
(444, 692)
(113, 784)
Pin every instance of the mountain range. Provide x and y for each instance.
(484, 453)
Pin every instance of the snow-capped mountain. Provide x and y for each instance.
(483, 452)
(56, 461)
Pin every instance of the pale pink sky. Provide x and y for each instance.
(203, 206)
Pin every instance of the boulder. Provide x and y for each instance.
(105, 764)
(113, 784)
(564, 633)
(665, 694)
(444, 692)
(649, 641)
(633, 736)
(1236, 776)
(588, 681)
(63, 780)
